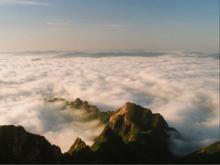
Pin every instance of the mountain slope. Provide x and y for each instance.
(19, 146)
(209, 154)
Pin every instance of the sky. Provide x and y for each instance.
(171, 25)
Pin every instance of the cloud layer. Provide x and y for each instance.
(182, 87)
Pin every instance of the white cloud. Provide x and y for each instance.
(184, 89)
(60, 26)
(58, 23)
(23, 2)
(113, 26)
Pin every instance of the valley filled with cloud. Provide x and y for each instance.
(183, 87)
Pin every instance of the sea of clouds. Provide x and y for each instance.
(183, 87)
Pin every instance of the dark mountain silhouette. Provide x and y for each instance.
(132, 134)
(19, 146)
(206, 155)
(79, 152)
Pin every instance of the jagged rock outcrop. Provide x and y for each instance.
(19, 146)
(92, 112)
(79, 152)
(78, 145)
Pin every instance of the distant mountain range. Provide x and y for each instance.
(132, 134)
(116, 53)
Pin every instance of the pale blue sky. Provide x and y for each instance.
(189, 25)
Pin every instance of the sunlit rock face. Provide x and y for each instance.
(131, 120)
(135, 129)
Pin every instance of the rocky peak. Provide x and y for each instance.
(79, 153)
(79, 144)
(129, 112)
(92, 111)
(137, 132)
(79, 104)
(132, 120)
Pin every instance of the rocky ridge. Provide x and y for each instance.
(132, 134)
